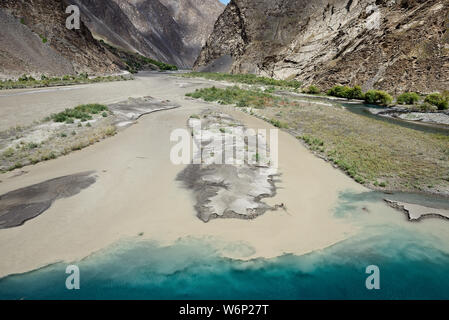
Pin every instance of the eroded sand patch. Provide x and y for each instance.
(224, 188)
(19, 206)
(417, 212)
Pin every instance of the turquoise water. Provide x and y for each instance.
(362, 109)
(414, 264)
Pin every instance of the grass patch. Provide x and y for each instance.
(61, 139)
(8, 153)
(244, 78)
(82, 112)
(27, 81)
(235, 95)
(279, 124)
(312, 90)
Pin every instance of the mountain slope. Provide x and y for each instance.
(171, 31)
(395, 45)
(196, 19)
(34, 40)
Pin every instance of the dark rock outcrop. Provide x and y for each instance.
(395, 45)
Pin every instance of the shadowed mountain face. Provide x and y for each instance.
(34, 40)
(171, 31)
(395, 45)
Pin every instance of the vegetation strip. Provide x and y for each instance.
(244, 78)
(424, 103)
(56, 135)
(27, 81)
(375, 153)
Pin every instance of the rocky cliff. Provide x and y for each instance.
(34, 40)
(395, 45)
(171, 31)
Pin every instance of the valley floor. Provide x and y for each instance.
(136, 192)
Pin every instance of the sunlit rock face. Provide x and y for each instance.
(172, 31)
(395, 45)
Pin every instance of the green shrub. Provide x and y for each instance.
(313, 90)
(26, 81)
(356, 93)
(346, 92)
(25, 78)
(378, 97)
(312, 141)
(408, 98)
(438, 100)
(82, 112)
(336, 91)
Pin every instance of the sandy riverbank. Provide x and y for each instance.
(136, 192)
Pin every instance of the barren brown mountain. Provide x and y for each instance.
(395, 45)
(34, 40)
(171, 31)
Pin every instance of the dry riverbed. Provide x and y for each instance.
(136, 194)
